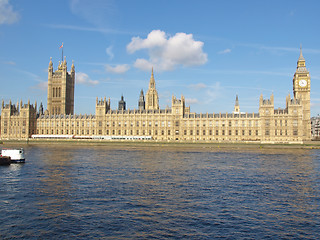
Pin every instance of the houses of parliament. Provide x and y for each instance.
(22, 121)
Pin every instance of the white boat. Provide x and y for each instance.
(16, 155)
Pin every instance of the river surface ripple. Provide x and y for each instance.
(77, 192)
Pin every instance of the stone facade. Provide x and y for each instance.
(61, 89)
(175, 123)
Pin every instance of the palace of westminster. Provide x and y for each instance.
(149, 122)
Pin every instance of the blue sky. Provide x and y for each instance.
(209, 51)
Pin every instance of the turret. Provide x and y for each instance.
(122, 104)
(141, 103)
(236, 106)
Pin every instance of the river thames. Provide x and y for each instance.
(98, 192)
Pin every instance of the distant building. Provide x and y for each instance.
(315, 128)
(176, 123)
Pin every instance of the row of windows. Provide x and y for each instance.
(223, 123)
(62, 124)
(149, 132)
(83, 132)
(281, 132)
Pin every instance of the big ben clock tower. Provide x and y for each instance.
(301, 91)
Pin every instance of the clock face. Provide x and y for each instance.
(302, 83)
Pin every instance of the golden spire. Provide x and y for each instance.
(152, 83)
(301, 58)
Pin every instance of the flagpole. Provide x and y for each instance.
(62, 54)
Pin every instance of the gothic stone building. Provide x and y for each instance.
(149, 122)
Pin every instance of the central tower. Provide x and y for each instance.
(61, 89)
(152, 99)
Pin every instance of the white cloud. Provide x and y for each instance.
(118, 69)
(166, 53)
(42, 86)
(98, 12)
(9, 63)
(7, 15)
(83, 78)
(198, 86)
(214, 92)
(109, 52)
(156, 38)
(143, 64)
(192, 101)
(228, 50)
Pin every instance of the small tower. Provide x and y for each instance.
(141, 103)
(152, 98)
(41, 109)
(236, 106)
(122, 104)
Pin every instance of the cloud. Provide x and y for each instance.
(98, 12)
(214, 92)
(228, 50)
(118, 69)
(83, 78)
(8, 62)
(7, 15)
(109, 52)
(198, 86)
(166, 53)
(192, 101)
(42, 86)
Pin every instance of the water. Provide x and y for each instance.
(70, 192)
